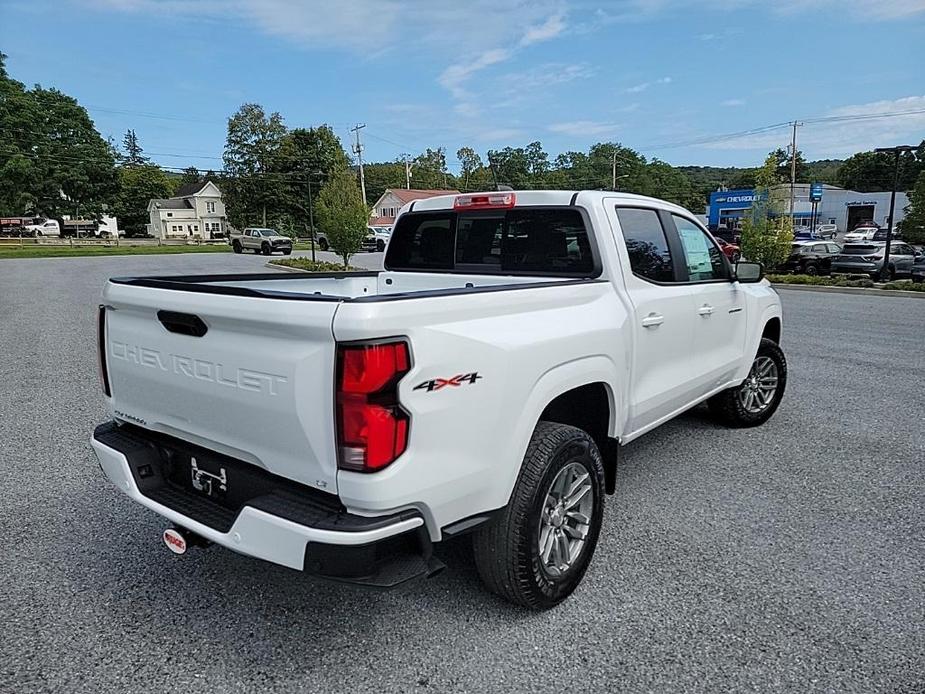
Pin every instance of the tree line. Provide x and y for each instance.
(54, 162)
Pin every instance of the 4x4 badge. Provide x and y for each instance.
(457, 380)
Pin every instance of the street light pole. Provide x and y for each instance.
(896, 151)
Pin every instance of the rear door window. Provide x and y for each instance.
(646, 243)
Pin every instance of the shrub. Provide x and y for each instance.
(311, 265)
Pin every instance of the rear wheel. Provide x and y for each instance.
(754, 401)
(380, 245)
(323, 244)
(811, 269)
(536, 551)
(236, 246)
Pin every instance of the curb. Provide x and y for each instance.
(872, 291)
(285, 268)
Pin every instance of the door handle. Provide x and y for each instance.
(653, 320)
(705, 310)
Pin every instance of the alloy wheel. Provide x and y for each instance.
(757, 392)
(565, 519)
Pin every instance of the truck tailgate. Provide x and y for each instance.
(258, 385)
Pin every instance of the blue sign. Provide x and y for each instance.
(815, 192)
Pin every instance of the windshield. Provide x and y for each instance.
(267, 232)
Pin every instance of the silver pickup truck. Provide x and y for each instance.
(260, 240)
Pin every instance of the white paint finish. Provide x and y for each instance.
(255, 533)
(529, 344)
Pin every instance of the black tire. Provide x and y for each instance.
(287, 252)
(811, 269)
(236, 247)
(506, 550)
(728, 405)
(380, 245)
(265, 249)
(323, 244)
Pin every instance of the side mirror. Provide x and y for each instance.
(749, 272)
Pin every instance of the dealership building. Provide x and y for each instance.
(844, 208)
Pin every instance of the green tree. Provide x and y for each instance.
(342, 214)
(430, 170)
(306, 157)
(251, 151)
(52, 159)
(191, 175)
(783, 161)
(767, 233)
(132, 152)
(913, 224)
(469, 163)
(873, 171)
(138, 186)
(383, 175)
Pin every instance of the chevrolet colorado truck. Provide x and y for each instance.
(264, 241)
(343, 424)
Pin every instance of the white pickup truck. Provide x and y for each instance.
(343, 424)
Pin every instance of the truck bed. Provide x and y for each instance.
(339, 286)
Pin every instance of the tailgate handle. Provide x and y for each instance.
(182, 323)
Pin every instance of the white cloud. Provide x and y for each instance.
(637, 88)
(835, 138)
(579, 128)
(549, 29)
(456, 75)
(734, 102)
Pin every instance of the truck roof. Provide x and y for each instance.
(583, 198)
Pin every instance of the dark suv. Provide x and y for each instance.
(811, 257)
(866, 258)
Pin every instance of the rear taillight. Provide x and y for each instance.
(484, 201)
(372, 428)
(101, 351)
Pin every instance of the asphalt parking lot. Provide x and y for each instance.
(785, 558)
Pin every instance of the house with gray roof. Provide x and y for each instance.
(197, 210)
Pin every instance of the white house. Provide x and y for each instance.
(196, 210)
(387, 206)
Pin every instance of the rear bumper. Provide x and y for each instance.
(280, 526)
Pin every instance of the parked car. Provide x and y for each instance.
(862, 233)
(483, 382)
(260, 240)
(730, 250)
(47, 227)
(810, 258)
(881, 234)
(805, 234)
(382, 234)
(867, 258)
(827, 231)
(918, 269)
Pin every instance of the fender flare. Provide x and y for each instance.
(751, 349)
(553, 383)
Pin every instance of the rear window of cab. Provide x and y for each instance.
(522, 240)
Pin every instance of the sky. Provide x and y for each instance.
(686, 82)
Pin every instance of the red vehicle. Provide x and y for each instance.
(731, 250)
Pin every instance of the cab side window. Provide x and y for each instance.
(702, 256)
(650, 257)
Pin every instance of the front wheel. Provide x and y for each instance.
(265, 249)
(754, 401)
(287, 252)
(811, 269)
(536, 551)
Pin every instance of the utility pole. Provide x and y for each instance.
(613, 171)
(406, 160)
(311, 214)
(897, 151)
(358, 150)
(793, 165)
